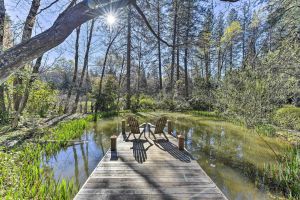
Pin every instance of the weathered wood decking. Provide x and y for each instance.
(140, 170)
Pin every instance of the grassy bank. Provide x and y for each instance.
(283, 175)
(22, 176)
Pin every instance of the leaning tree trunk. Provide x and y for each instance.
(67, 21)
(27, 32)
(85, 65)
(14, 58)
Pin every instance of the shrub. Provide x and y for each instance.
(167, 104)
(265, 129)
(41, 98)
(252, 96)
(134, 103)
(147, 102)
(288, 117)
(199, 103)
(4, 118)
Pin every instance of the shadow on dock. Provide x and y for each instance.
(139, 150)
(173, 150)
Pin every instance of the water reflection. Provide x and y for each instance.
(229, 155)
(78, 161)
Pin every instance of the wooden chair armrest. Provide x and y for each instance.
(143, 125)
(151, 125)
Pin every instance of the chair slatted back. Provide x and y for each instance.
(160, 125)
(133, 125)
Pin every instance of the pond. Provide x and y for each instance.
(231, 155)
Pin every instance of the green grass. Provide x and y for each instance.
(22, 175)
(288, 117)
(286, 174)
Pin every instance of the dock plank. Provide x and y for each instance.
(143, 170)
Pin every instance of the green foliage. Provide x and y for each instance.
(285, 175)
(198, 103)
(233, 30)
(288, 117)
(251, 96)
(265, 129)
(22, 176)
(204, 97)
(134, 103)
(167, 103)
(107, 99)
(22, 173)
(147, 102)
(211, 115)
(4, 117)
(41, 98)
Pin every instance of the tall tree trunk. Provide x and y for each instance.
(27, 32)
(87, 80)
(219, 61)
(2, 25)
(85, 65)
(103, 71)
(244, 45)
(207, 63)
(187, 35)
(128, 97)
(2, 99)
(120, 80)
(28, 86)
(186, 72)
(177, 57)
(139, 72)
(2, 21)
(158, 45)
(75, 70)
(231, 57)
(9, 103)
(175, 5)
(33, 76)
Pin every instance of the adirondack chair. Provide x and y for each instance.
(135, 128)
(158, 128)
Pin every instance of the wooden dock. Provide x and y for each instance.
(143, 170)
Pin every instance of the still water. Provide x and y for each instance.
(230, 155)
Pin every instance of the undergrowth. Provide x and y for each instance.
(22, 173)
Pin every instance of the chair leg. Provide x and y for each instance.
(153, 135)
(141, 135)
(128, 137)
(165, 136)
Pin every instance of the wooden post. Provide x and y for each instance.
(113, 143)
(92, 107)
(80, 108)
(181, 142)
(123, 126)
(169, 124)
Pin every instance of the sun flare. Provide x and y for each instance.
(111, 19)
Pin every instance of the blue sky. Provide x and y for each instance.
(18, 10)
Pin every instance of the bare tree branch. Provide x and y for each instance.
(12, 59)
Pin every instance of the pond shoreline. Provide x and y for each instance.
(51, 149)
